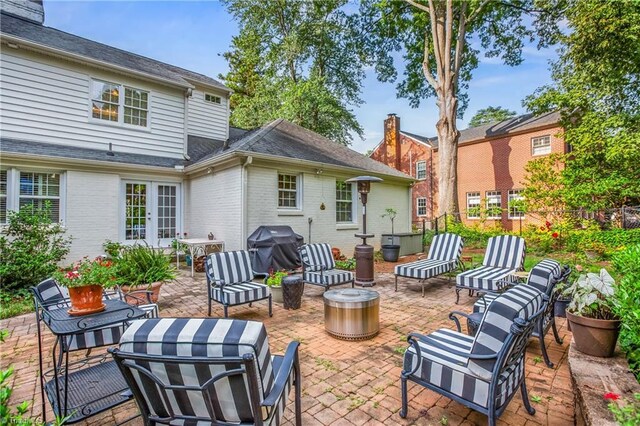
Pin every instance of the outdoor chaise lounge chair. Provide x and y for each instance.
(207, 371)
(482, 372)
(229, 276)
(544, 277)
(443, 257)
(318, 266)
(503, 257)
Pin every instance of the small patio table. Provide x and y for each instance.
(195, 245)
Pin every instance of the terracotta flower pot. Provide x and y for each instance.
(141, 298)
(86, 299)
(594, 337)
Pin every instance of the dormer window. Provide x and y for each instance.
(117, 103)
(208, 97)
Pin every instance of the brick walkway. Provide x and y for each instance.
(344, 383)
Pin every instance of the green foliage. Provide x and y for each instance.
(628, 414)
(298, 61)
(113, 248)
(275, 278)
(544, 192)
(15, 303)
(142, 265)
(627, 306)
(490, 115)
(348, 264)
(30, 248)
(592, 295)
(391, 213)
(88, 272)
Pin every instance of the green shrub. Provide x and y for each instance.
(141, 264)
(627, 307)
(347, 264)
(30, 248)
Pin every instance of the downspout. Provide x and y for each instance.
(185, 144)
(431, 184)
(244, 184)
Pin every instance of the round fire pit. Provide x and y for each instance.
(352, 314)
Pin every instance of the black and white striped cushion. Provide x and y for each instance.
(518, 302)
(315, 256)
(423, 269)
(484, 278)
(505, 251)
(326, 278)
(230, 266)
(236, 294)
(446, 247)
(199, 337)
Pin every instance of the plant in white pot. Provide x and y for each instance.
(390, 252)
(594, 325)
(274, 281)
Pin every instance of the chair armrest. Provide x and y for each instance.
(280, 383)
(322, 267)
(260, 274)
(453, 315)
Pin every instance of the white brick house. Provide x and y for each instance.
(130, 149)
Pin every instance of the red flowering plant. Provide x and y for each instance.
(627, 414)
(88, 272)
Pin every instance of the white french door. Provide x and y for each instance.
(151, 212)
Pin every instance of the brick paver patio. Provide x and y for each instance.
(343, 383)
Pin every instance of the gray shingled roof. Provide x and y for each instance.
(56, 39)
(433, 141)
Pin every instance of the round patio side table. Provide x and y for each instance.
(292, 289)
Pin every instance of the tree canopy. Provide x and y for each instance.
(490, 115)
(296, 60)
(596, 86)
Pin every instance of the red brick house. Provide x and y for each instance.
(491, 161)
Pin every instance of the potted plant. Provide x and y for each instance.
(274, 281)
(594, 326)
(143, 268)
(390, 252)
(85, 281)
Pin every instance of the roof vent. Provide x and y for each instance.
(31, 10)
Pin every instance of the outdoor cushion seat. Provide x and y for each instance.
(207, 371)
(444, 256)
(318, 266)
(229, 276)
(504, 256)
(481, 372)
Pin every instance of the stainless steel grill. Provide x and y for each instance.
(352, 314)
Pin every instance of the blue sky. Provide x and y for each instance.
(194, 34)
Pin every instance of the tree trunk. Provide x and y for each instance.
(447, 154)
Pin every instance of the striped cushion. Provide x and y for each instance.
(505, 251)
(423, 269)
(518, 302)
(484, 278)
(237, 294)
(199, 337)
(229, 266)
(446, 247)
(316, 256)
(545, 275)
(327, 278)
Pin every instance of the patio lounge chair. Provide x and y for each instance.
(229, 276)
(443, 257)
(544, 277)
(482, 372)
(197, 371)
(504, 256)
(318, 266)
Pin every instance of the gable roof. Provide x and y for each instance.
(431, 141)
(65, 43)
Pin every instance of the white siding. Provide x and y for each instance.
(213, 204)
(318, 189)
(208, 119)
(47, 100)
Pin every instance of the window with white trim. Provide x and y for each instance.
(421, 170)
(473, 205)
(494, 205)
(23, 189)
(421, 206)
(214, 99)
(118, 103)
(541, 145)
(344, 202)
(289, 191)
(514, 202)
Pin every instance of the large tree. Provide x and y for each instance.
(490, 115)
(597, 89)
(435, 37)
(296, 60)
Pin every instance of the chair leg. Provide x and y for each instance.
(209, 306)
(396, 283)
(298, 395)
(270, 306)
(422, 284)
(353, 283)
(543, 348)
(458, 295)
(555, 331)
(226, 313)
(403, 392)
(525, 398)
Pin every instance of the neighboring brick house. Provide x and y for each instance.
(491, 163)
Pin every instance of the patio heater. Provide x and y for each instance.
(364, 252)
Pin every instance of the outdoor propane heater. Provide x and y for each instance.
(364, 252)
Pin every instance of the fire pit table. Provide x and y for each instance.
(352, 314)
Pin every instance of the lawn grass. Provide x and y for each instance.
(14, 305)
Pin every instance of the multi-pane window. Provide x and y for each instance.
(494, 205)
(212, 98)
(3, 196)
(541, 145)
(344, 202)
(111, 101)
(421, 206)
(473, 205)
(39, 191)
(514, 201)
(135, 211)
(167, 213)
(421, 170)
(288, 195)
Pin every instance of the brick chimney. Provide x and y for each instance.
(392, 153)
(31, 10)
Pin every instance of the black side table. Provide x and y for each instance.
(292, 289)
